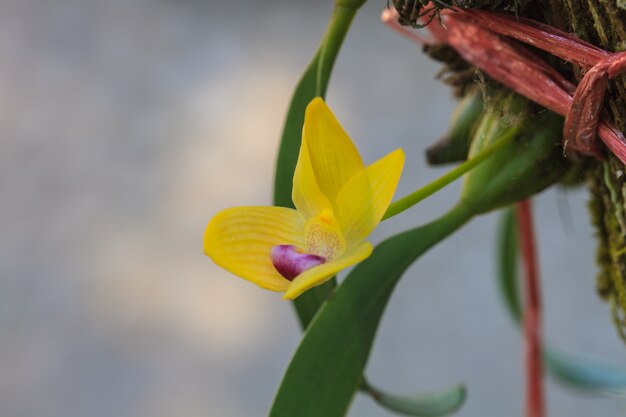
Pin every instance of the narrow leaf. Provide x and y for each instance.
(327, 367)
(586, 374)
(421, 405)
(507, 264)
(314, 82)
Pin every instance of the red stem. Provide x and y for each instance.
(474, 34)
(564, 45)
(535, 404)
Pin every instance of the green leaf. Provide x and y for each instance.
(313, 83)
(575, 372)
(454, 146)
(327, 367)
(507, 264)
(586, 374)
(308, 303)
(421, 405)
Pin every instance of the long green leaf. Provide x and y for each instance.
(507, 264)
(313, 83)
(421, 405)
(575, 372)
(327, 367)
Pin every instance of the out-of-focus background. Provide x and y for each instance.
(125, 125)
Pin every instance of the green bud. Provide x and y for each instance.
(525, 165)
(454, 146)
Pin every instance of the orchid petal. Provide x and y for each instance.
(306, 195)
(240, 240)
(334, 157)
(319, 274)
(364, 199)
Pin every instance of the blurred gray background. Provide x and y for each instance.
(125, 125)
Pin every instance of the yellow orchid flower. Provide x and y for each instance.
(338, 203)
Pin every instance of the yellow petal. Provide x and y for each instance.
(333, 156)
(365, 198)
(320, 274)
(306, 195)
(239, 240)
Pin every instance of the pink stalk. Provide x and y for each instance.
(535, 404)
(582, 119)
(564, 45)
(474, 35)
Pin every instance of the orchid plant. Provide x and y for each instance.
(328, 201)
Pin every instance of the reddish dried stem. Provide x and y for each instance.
(476, 36)
(561, 44)
(583, 116)
(525, 73)
(535, 405)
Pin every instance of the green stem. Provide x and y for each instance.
(415, 197)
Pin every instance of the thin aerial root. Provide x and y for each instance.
(535, 404)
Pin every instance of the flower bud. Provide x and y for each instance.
(528, 163)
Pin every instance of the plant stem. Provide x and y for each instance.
(416, 196)
(535, 404)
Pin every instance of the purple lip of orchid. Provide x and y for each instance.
(290, 263)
